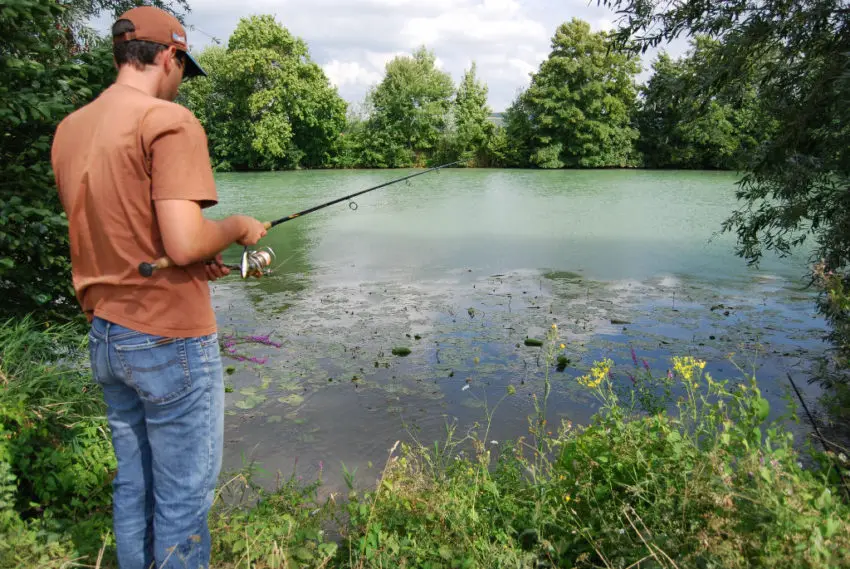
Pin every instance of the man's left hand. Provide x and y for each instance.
(217, 270)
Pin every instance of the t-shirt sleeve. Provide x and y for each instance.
(179, 159)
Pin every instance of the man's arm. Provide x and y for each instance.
(189, 237)
(182, 184)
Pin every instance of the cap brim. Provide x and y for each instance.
(193, 68)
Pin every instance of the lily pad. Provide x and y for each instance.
(250, 402)
(293, 399)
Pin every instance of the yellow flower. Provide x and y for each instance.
(597, 375)
(554, 326)
(587, 382)
(563, 346)
(567, 498)
(685, 366)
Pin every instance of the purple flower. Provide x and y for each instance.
(646, 365)
(669, 374)
(634, 356)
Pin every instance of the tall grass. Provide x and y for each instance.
(681, 470)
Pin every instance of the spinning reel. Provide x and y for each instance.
(256, 263)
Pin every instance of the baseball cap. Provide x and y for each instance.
(158, 26)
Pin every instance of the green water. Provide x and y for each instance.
(460, 267)
(610, 224)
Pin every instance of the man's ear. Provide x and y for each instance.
(166, 57)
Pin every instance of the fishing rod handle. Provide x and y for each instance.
(147, 269)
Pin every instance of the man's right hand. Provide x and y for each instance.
(252, 230)
(189, 238)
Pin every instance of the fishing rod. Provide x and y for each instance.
(819, 435)
(253, 263)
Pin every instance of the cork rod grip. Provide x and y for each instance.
(146, 269)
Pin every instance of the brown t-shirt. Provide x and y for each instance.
(112, 158)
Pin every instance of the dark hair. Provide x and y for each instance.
(137, 53)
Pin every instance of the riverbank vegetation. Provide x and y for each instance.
(679, 470)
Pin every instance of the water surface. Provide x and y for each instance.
(465, 264)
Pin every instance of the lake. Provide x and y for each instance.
(460, 267)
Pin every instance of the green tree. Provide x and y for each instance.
(681, 126)
(266, 105)
(519, 132)
(795, 189)
(579, 103)
(468, 129)
(409, 110)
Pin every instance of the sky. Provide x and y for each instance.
(352, 40)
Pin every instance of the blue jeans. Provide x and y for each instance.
(165, 406)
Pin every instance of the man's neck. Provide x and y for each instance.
(143, 81)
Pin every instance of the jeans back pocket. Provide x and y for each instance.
(158, 370)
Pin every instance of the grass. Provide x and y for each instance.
(711, 483)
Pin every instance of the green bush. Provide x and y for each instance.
(56, 459)
(45, 77)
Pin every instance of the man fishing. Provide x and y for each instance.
(133, 174)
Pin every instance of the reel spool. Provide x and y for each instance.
(256, 263)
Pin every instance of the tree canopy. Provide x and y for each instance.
(265, 104)
(577, 109)
(682, 126)
(409, 108)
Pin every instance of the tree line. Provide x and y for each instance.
(266, 105)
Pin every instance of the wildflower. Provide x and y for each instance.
(567, 498)
(554, 326)
(685, 366)
(563, 346)
(634, 356)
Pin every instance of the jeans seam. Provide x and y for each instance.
(108, 354)
(208, 474)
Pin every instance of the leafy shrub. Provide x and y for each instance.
(56, 457)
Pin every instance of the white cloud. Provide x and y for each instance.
(343, 73)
